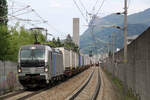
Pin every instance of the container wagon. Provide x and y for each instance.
(67, 61)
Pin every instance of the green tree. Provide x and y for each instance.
(68, 39)
(52, 44)
(4, 35)
(70, 44)
(55, 43)
(20, 37)
(58, 43)
(3, 12)
(54, 40)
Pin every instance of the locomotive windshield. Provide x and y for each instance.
(29, 54)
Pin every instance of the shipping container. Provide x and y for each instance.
(66, 57)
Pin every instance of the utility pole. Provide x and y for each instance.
(108, 47)
(92, 32)
(113, 46)
(35, 37)
(46, 35)
(125, 32)
(125, 48)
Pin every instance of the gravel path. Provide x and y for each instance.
(108, 90)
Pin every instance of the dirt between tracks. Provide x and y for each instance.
(64, 89)
(108, 90)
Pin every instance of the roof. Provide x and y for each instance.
(36, 46)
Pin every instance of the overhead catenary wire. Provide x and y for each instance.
(83, 5)
(101, 6)
(92, 33)
(22, 19)
(87, 22)
(91, 23)
(14, 12)
(129, 3)
(38, 15)
(92, 26)
(14, 16)
(23, 10)
(30, 22)
(95, 4)
(46, 22)
(85, 10)
(80, 10)
(23, 13)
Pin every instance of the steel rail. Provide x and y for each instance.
(97, 87)
(12, 94)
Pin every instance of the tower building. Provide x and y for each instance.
(76, 28)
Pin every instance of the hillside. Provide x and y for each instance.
(137, 23)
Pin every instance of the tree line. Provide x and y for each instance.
(66, 43)
(15, 37)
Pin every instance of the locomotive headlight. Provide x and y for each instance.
(46, 69)
(19, 70)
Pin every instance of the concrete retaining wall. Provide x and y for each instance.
(136, 72)
(8, 76)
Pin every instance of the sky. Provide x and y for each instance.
(59, 13)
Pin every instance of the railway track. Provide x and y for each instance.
(57, 92)
(95, 95)
(32, 94)
(22, 94)
(61, 91)
(89, 89)
(12, 94)
(25, 94)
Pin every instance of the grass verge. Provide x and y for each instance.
(129, 95)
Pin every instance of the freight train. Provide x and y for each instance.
(41, 65)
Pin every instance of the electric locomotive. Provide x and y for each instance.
(39, 65)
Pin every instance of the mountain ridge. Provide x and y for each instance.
(137, 23)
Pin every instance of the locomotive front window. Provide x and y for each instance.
(36, 54)
(26, 54)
